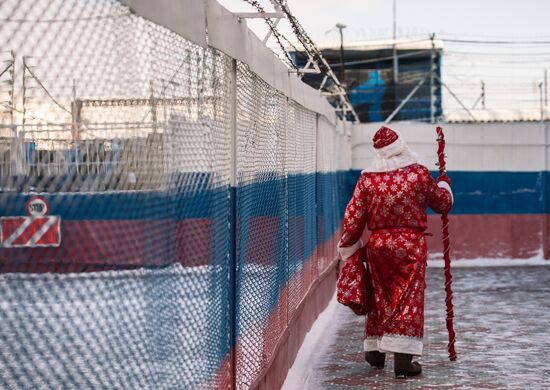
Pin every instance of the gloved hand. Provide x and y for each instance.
(444, 178)
(346, 252)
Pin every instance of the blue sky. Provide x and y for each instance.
(511, 72)
(372, 19)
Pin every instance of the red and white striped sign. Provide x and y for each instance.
(30, 231)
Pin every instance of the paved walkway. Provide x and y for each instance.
(503, 337)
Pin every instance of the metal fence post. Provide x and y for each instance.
(316, 186)
(287, 214)
(233, 225)
(545, 189)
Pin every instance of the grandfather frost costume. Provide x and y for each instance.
(390, 199)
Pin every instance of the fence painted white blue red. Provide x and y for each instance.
(199, 187)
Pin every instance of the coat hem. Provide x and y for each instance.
(394, 343)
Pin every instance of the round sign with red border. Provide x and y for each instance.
(37, 207)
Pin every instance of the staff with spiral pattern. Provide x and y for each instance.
(446, 250)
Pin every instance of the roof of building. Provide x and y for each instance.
(401, 44)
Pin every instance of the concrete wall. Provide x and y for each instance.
(513, 147)
(501, 177)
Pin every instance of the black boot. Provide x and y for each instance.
(405, 367)
(376, 359)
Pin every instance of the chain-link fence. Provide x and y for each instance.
(161, 204)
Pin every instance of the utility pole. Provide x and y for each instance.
(541, 102)
(546, 87)
(432, 80)
(24, 94)
(396, 101)
(341, 27)
(76, 113)
(12, 86)
(153, 103)
(395, 67)
(483, 94)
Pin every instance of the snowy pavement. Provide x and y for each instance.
(502, 321)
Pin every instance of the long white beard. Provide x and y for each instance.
(394, 156)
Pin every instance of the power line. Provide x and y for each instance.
(273, 28)
(486, 53)
(500, 65)
(10, 107)
(399, 41)
(45, 89)
(494, 42)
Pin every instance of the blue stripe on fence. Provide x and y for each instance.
(496, 192)
(196, 201)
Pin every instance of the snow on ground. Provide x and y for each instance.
(484, 262)
(435, 259)
(501, 319)
(315, 343)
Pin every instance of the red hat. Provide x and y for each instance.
(384, 137)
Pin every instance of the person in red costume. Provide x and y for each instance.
(390, 199)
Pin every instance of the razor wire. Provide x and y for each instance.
(123, 128)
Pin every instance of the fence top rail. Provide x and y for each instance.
(229, 34)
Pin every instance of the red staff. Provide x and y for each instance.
(446, 249)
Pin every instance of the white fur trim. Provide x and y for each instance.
(394, 156)
(394, 343)
(446, 186)
(393, 149)
(347, 251)
(371, 344)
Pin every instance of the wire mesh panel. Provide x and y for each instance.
(262, 222)
(278, 213)
(302, 228)
(121, 129)
(330, 189)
